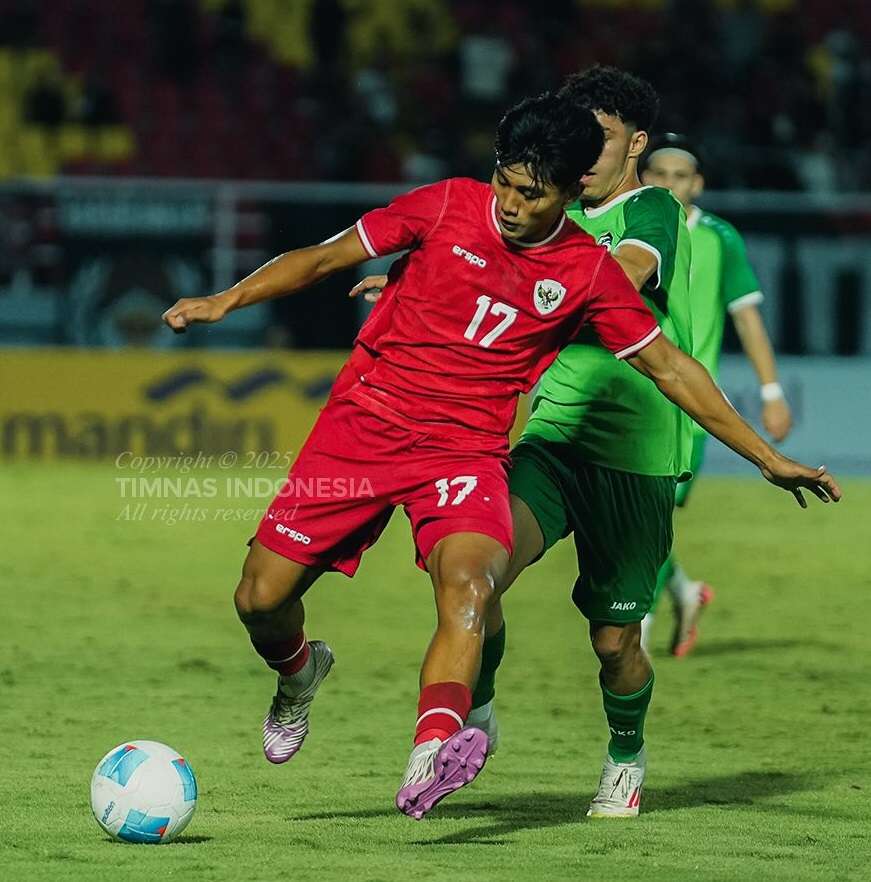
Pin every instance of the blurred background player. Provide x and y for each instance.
(721, 280)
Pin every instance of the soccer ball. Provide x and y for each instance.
(143, 791)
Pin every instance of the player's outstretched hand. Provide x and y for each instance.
(370, 288)
(793, 476)
(189, 310)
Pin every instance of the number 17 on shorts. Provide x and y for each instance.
(465, 484)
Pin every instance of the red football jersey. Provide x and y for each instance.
(468, 320)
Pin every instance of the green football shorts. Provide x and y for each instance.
(621, 524)
(700, 439)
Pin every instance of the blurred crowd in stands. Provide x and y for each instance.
(410, 90)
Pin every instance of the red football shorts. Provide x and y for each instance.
(356, 467)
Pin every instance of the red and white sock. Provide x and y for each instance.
(441, 711)
(288, 657)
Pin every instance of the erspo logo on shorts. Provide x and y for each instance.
(467, 255)
(295, 535)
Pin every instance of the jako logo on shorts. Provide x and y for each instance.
(467, 255)
(293, 534)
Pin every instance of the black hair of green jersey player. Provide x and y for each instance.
(673, 141)
(554, 140)
(614, 92)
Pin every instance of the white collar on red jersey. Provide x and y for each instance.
(556, 231)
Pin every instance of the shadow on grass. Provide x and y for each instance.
(532, 811)
(182, 840)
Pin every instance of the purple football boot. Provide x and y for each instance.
(437, 768)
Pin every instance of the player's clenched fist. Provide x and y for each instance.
(193, 309)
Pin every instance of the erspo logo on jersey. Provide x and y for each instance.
(467, 255)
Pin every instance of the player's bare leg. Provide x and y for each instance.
(269, 603)
(528, 546)
(626, 678)
(465, 569)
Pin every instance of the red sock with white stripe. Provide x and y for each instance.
(441, 711)
(285, 656)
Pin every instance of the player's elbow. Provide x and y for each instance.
(327, 260)
(662, 362)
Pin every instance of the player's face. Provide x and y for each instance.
(617, 163)
(675, 171)
(526, 210)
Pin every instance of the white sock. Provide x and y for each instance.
(479, 714)
(292, 684)
(682, 588)
(646, 628)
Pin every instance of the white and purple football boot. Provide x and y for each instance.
(286, 724)
(438, 768)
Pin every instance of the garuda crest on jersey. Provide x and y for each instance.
(547, 295)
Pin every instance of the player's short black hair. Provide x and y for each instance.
(615, 92)
(556, 142)
(673, 141)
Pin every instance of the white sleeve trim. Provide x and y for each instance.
(361, 232)
(754, 298)
(647, 247)
(637, 347)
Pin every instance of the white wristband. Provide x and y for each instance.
(770, 392)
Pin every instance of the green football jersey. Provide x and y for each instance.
(721, 280)
(608, 411)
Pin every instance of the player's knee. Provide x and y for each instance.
(614, 644)
(467, 596)
(257, 597)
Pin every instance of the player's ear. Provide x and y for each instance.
(698, 186)
(638, 144)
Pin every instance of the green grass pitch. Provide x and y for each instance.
(759, 744)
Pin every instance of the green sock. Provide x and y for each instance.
(491, 656)
(625, 715)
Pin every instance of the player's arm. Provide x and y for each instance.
(284, 274)
(776, 416)
(685, 381)
(638, 263)
(741, 294)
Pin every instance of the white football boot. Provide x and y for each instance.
(619, 794)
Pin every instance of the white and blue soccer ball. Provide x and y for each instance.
(143, 791)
